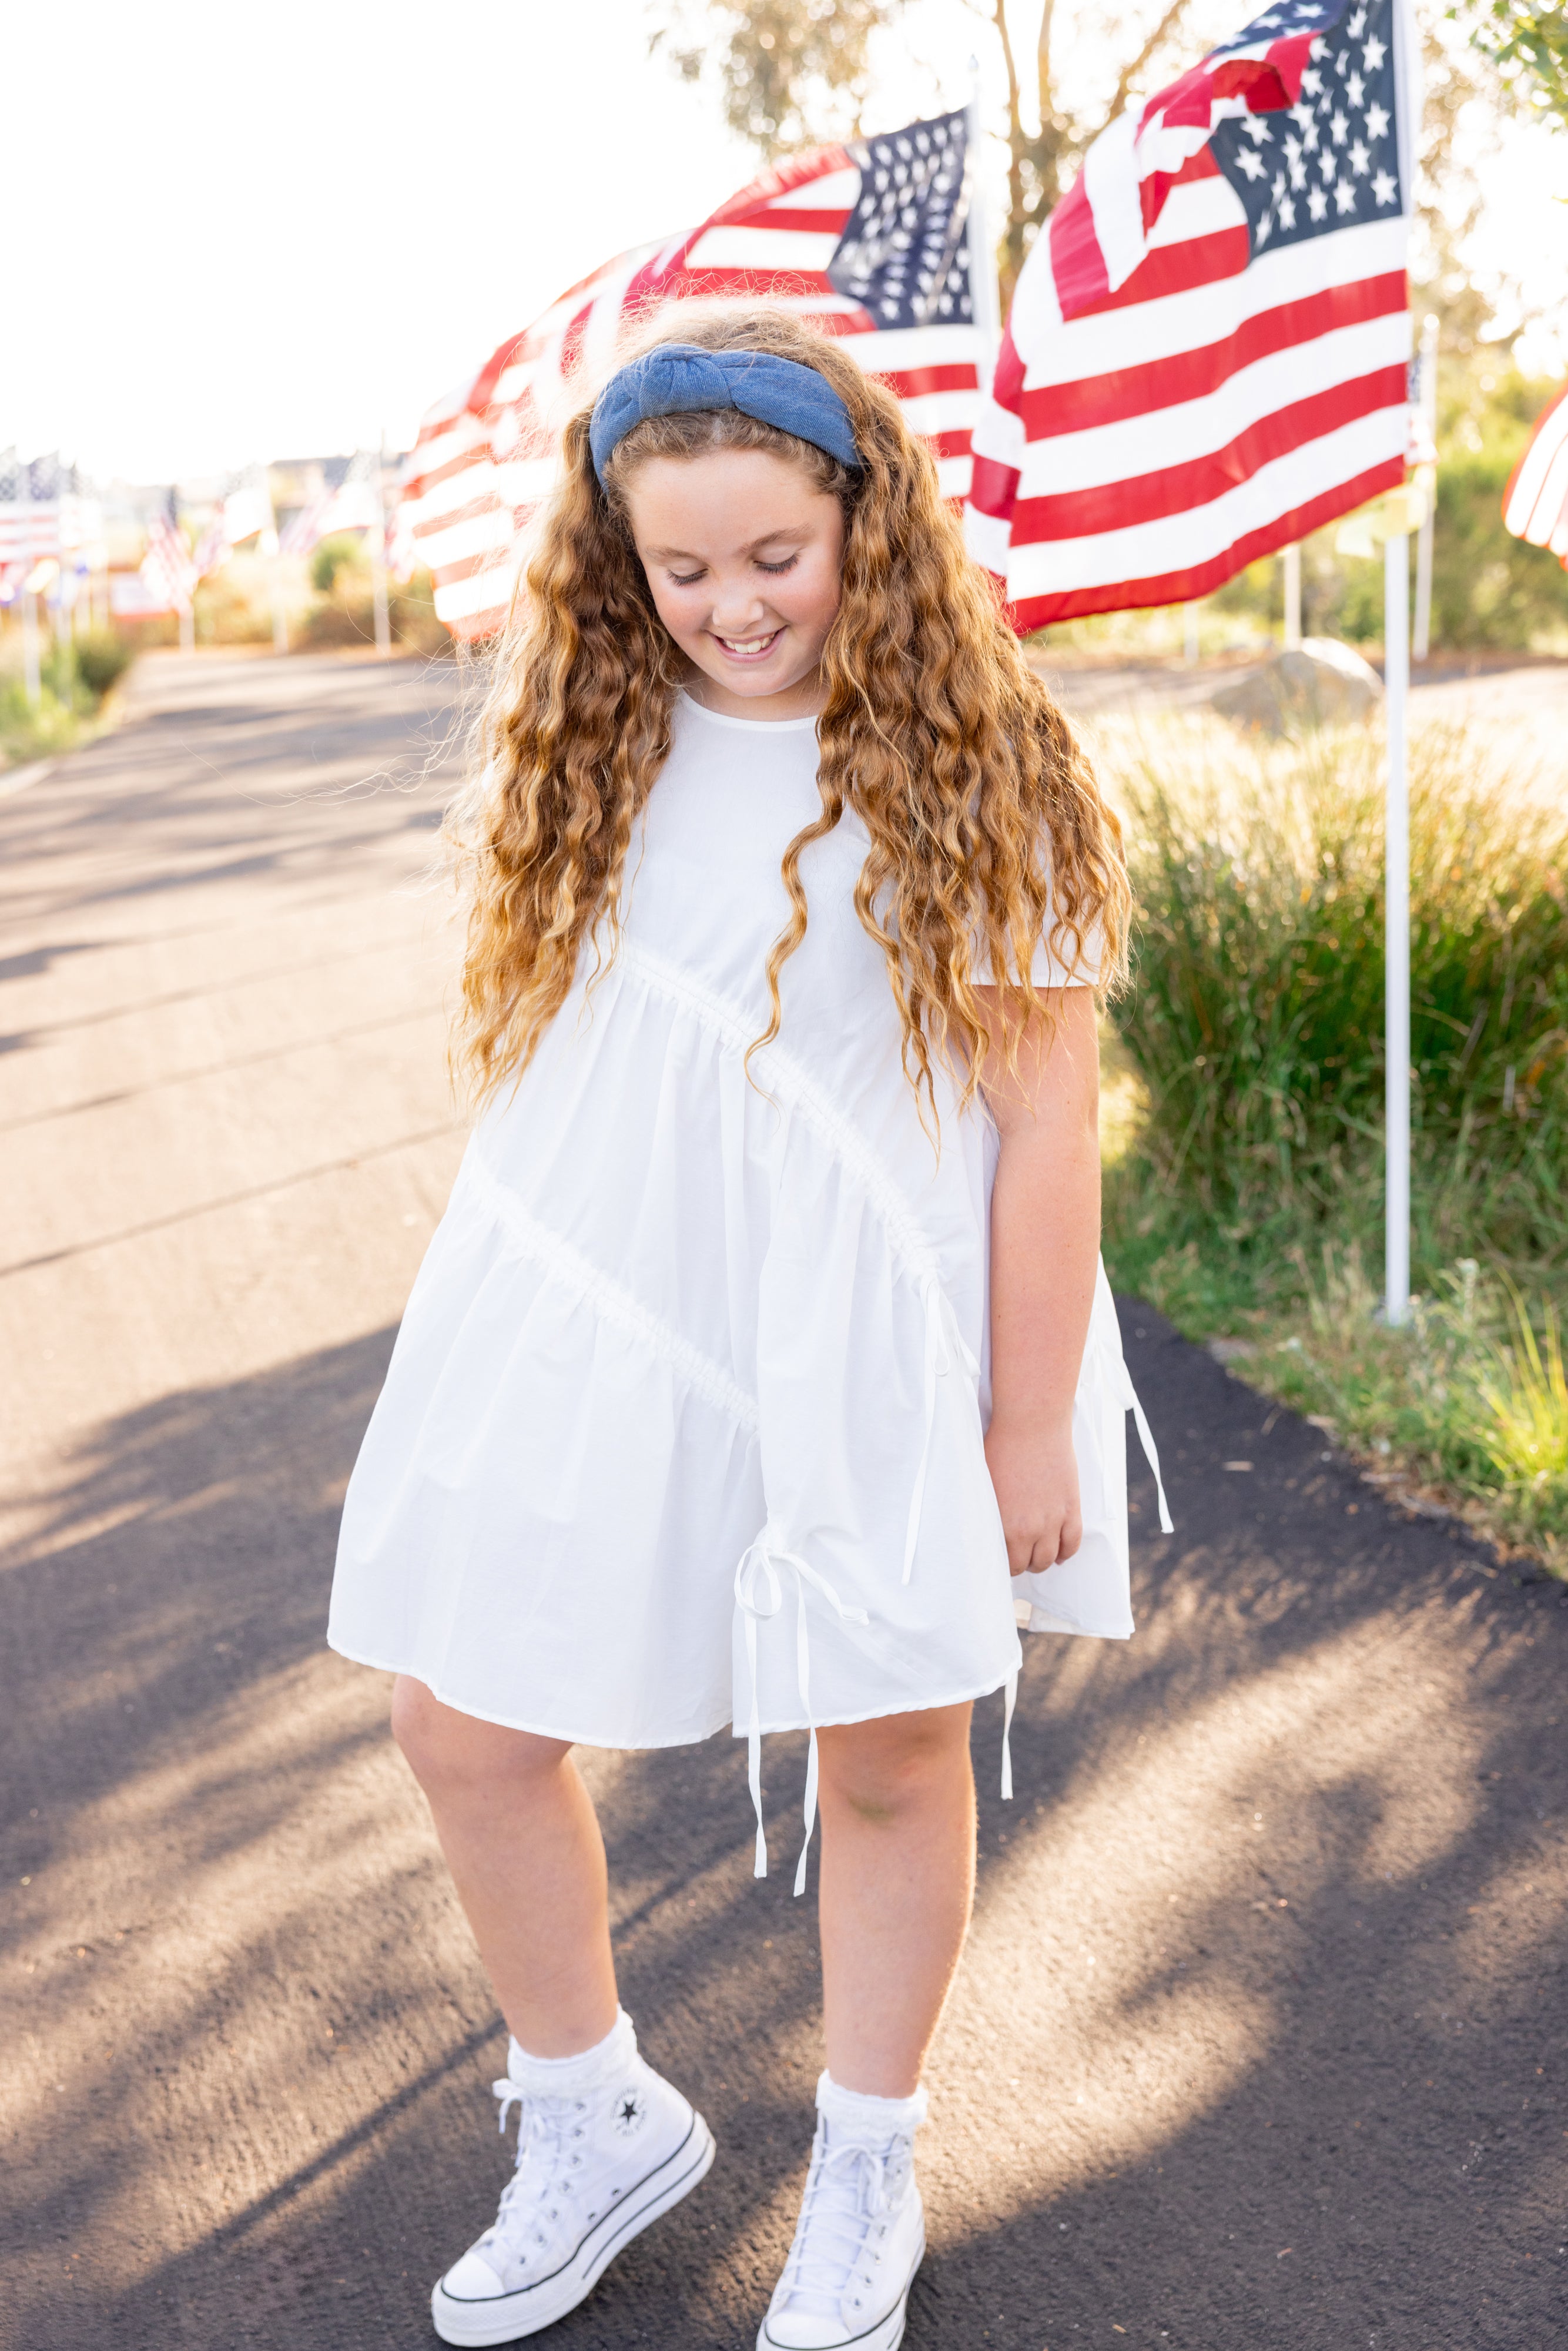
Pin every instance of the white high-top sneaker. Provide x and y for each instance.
(861, 2233)
(604, 2145)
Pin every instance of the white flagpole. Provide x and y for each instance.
(188, 615)
(1292, 598)
(31, 681)
(1396, 824)
(378, 559)
(983, 298)
(1396, 933)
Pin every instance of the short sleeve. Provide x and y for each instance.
(1046, 971)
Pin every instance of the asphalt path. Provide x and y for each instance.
(1259, 2039)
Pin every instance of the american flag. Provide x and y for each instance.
(212, 548)
(1208, 348)
(301, 531)
(167, 568)
(1535, 503)
(354, 505)
(869, 241)
(29, 507)
(247, 505)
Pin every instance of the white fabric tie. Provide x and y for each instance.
(1147, 1439)
(759, 1564)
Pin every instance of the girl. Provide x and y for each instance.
(791, 894)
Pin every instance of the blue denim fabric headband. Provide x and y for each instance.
(676, 378)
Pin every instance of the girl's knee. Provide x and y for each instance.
(883, 1769)
(446, 1749)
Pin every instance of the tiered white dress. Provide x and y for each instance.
(684, 1424)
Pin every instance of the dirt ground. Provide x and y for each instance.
(1261, 2038)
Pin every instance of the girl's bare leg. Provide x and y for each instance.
(522, 1845)
(897, 1885)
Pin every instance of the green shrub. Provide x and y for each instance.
(1489, 588)
(101, 659)
(29, 731)
(341, 553)
(1256, 1019)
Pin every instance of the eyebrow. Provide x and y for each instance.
(769, 538)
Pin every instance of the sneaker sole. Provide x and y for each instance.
(512, 2317)
(885, 2336)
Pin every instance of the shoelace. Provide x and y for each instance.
(544, 2126)
(847, 2192)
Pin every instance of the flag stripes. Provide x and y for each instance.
(485, 457)
(1535, 503)
(1208, 348)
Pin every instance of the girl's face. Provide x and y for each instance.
(742, 553)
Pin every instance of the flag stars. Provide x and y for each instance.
(1311, 82)
(1354, 89)
(1339, 129)
(1358, 24)
(1384, 190)
(1256, 128)
(1377, 122)
(1372, 54)
(1360, 160)
(1251, 163)
(1345, 195)
(1285, 208)
(1317, 203)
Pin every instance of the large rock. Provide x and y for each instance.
(1318, 683)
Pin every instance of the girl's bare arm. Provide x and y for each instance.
(1045, 1244)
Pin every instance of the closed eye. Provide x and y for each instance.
(684, 579)
(788, 565)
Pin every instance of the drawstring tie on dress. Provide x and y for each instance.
(759, 1564)
(1147, 1439)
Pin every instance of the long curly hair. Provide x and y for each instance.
(988, 831)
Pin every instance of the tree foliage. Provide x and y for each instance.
(1528, 46)
(792, 73)
(1039, 161)
(796, 73)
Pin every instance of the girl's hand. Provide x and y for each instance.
(1035, 1472)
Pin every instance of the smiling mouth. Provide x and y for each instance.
(749, 648)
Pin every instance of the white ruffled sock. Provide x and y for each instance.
(857, 2115)
(574, 2077)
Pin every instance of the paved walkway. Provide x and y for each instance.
(1260, 2039)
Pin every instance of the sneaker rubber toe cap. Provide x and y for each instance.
(471, 2280)
(800, 2330)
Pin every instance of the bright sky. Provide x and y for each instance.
(261, 235)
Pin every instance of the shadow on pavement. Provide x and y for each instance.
(1258, 2039)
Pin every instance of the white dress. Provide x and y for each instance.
(684, 1424)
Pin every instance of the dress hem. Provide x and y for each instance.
(696, 1738)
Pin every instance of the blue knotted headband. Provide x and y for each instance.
(674, 379)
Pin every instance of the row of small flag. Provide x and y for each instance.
(50, 527)
(1207, 355)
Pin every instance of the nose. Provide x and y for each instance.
(738, 611)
